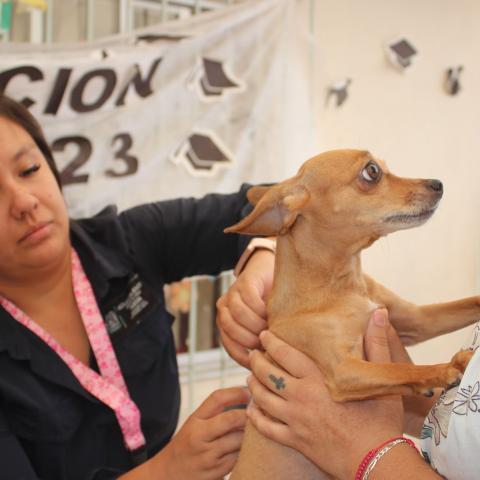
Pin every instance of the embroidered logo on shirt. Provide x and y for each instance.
(127, 310)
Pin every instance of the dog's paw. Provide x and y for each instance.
(456, 367)
(456, 383)
(452, 376)
(460, 359)
(423, 389)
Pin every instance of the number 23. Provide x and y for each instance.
(69, 174)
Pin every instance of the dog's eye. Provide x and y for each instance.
(371, 173)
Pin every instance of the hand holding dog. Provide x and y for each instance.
(241, 311)
(335, 436)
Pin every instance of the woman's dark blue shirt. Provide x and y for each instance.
(50, 427)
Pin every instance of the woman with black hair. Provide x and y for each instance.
(89, 383)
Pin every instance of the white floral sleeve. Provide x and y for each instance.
(450, 439)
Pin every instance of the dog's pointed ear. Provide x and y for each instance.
(254, 194)
(276, 211)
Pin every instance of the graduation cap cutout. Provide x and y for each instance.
(214, 79)
(202, 154)
(452, 80)
(400, 53)
(339, 90)
(211, 80)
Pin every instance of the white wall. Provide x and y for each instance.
(407, 120)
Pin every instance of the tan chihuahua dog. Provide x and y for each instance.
(339, 203)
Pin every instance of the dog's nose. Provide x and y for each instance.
(435, 185)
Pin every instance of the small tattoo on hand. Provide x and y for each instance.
(279, 382)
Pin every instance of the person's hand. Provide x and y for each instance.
(241, 311)
(334, 436)
(207, 445)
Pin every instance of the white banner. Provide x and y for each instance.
(179, 109)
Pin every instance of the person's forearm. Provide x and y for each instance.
(403, 463)
(416, 408)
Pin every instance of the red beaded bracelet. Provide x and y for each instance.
(369, 457)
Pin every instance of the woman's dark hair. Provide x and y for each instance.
(17, 113)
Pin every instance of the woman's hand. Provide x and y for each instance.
(207, 445)
(241, 311)
(334, 436)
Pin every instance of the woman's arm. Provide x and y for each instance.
(335, 436)
(416, 409)
(184, 237)
(402, 463)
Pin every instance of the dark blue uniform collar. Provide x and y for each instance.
(101, 265)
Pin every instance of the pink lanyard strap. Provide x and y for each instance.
(109, 387)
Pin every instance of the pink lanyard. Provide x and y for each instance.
(109, 387)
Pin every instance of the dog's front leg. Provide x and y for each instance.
(447, 317)
(416, 323)
(356, 379)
